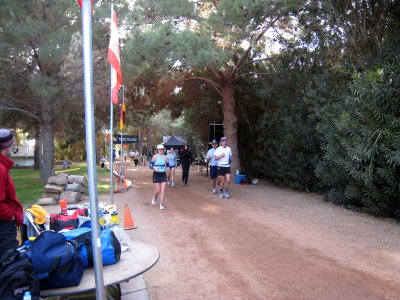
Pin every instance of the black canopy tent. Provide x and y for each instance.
(173, 142)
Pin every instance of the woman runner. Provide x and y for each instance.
(159, 163)
(172, 165)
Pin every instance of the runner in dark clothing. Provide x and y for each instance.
(185, 157)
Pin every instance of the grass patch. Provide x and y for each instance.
(82, 169)
(29, 188)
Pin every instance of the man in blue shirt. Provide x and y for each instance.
(213, 165)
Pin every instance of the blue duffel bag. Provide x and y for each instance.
(56, 261)
(110, 245)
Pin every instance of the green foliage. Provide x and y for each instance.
(364, 143)
(289, 145)
(285, 139)
(28, 186)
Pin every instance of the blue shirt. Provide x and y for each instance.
(160, 163)
(211, 154)
(171, 158)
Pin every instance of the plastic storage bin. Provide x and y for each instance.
(238, 178)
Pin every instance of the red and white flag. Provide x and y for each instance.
(114, 60)
(80, 3)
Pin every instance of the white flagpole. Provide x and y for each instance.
(111, 160)
(90, 146)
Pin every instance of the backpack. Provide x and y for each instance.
(17, 276)
(110, 245)
(60, 221)
(56, 261)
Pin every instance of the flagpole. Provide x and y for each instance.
(90, 146)
(111, 129)
(122, 128)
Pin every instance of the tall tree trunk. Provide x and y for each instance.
(48, 146)
(99, 144)
(230, 119)
(140, 142)
(149, 136)
(37, 154)
(78, 154)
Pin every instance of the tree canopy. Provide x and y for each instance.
(308, 91)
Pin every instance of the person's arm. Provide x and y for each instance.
(166, 161)
(6, 213)
(153, 159)
(208, 157)
(218, 156)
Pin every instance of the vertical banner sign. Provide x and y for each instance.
(122, 114)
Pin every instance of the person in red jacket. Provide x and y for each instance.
(11, 211)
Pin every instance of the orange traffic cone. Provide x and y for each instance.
(128, 220)
(124, 185)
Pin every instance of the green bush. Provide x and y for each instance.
(363, 144)
(287, 138)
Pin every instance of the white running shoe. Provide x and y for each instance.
(168, 182)
(221, 196)
(161, 207)
(153, 200)
(226, 195)
(173, 184)
(214, 191)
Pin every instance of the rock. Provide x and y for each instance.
(75, 187)
(72, 197)
(61, 179)
(47, 201)
(53, 188)
(52, 195)
(77, 179)
(83, 197)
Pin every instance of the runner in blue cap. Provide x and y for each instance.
(213, 165)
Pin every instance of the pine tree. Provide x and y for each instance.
(224, 38)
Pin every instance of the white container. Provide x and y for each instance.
(27, 295)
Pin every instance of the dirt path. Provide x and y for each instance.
(264, 243)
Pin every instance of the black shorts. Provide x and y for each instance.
(159, 177)
(222, 171)
(8, 236)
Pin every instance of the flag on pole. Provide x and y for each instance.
(122, 115)
(80, 3)
(114, 60)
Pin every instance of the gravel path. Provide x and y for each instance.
(264, 243)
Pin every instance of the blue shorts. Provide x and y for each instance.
(172, 166)
(213, 172)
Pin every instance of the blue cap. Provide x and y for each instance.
(224, 139)
(214, 142)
